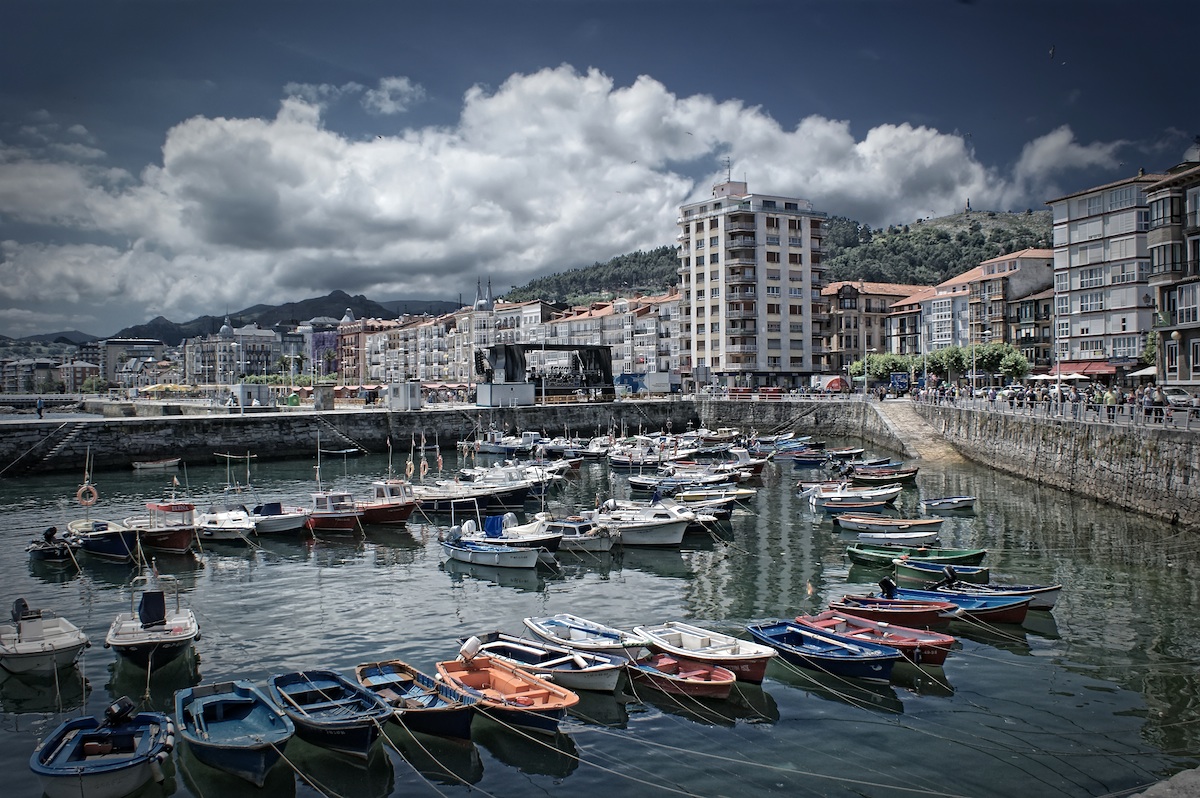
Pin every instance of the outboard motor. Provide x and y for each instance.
(50, 534)
(887, 587)
(20, 610)
(119, 711)
(950, 576)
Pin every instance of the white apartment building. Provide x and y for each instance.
(946, 313)
(751, 279)
(1103, 305)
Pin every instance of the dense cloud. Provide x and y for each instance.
(549, 171)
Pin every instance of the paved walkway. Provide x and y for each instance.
(921, 440)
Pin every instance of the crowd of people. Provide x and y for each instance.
(1147, 402)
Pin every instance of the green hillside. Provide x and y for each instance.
(650, 272)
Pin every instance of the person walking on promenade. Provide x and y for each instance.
(1110, 403)
(41, 407)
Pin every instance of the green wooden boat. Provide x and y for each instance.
(875, 555)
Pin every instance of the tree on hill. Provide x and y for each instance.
(652, 272)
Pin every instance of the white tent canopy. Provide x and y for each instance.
(1149, 371)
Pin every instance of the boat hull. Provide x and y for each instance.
(232, 726)
(387, 514)
(673, 676)
(510, 695)
(82, 758)
(421, 703)
(497, 556)
(106, 539)
(330, 711)
(919, 646)
(831, 654)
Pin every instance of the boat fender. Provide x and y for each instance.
(509, 519)
(87, 495)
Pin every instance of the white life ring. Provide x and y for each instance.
(87, 495)
(408, 469)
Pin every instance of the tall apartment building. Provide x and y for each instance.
(859, 312)
(1103, 305)
(1174, 242)
(1002, 281)
(751, 278)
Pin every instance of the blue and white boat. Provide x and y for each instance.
(456, 547)
(109, 540)
(816, 650)
(105, 757)
(420, 703)
(330, 711)
(233, 726)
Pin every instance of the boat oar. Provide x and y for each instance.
(597, 632)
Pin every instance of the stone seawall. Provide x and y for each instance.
(127, 433)
(1149, 469)
(824, 418)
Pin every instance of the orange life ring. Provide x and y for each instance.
(87, 495)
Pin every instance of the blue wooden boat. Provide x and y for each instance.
(922, 571)
(330, 711)
(105, 757)
(107, 539)
(233, 726)
(419, 702)
(826, 652)
(973, 606)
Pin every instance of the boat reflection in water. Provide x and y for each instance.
(540, 754)
(125, 678)
(666, 562)
(1008, 637)
(925, 680)
(604, 709)
(58, 692)
(373, 778)
(53, 573)
(527, 580)
(200, 779)
(747, 703)
(856, 693)
(440, 760)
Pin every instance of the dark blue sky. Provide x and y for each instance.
(270, 151)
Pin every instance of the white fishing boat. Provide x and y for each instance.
(659, 524)
(39, 641)
(505, 531)
(899, 538)
(872, 522)
(580, 534)
(152, 634)
(948, 503)
(746, 658)
(576, 632)
(226, 522)
(566, 667)
(275, 518)
(161, 464)
(455, 548)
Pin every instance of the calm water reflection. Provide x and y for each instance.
(1093, 699)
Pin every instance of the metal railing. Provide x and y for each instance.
(1161, 416)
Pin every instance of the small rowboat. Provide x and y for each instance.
(678, 676)
(506, 693)
(1042, 597)
(419, 702)
(745, 658)
(879, 523)
(579, 633)
(232, 726)
(822, 651)
(574, 670)
(881, 556)
(920, 646)
(925, 572)
(330, 711)
(977, 607)
(948, 503)
(104, 757)
(905, 612)
(898, 538)
(156, 465)
(39, 641)
(883, 476)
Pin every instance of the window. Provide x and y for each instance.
(1166, 211)
(773, 257)
(773, 326)
(772, 241)
(772, 221)
(1095, 205)
(714, 275)
(1126, 346)
(795, 259)
(1089, 253)
(796, 327)
(1063, 329)
(796, 310)
(1062, 306)
(769, 204)
(774, 343)
(791, 206)
(1091, 278)
(714, 291)
(714, 327)
(714, 241)
(712, 224)
(1092, 346)
(773, 274)
(1062, 282)
(1195, 361)
(795, 344)
(773, 308)
(772, 290)
(1121, 198)
(1187, 308)
(1128, 273)
(796, 290)
(773, 362)
(1091, 302)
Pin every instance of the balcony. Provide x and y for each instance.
(739, 260)
(741, 349)
(740, 277)
(1191, 221)
(740, 313)
(742, 242)
(740, 227)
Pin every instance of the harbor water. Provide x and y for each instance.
(1096, 697)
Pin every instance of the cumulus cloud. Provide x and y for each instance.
(548, 171)
(394, 95)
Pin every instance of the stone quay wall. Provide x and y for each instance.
(826, 417)
(1147, 468)
(126, 432)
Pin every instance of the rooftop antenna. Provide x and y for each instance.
(728, 170)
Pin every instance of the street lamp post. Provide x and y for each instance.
(866, 369)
